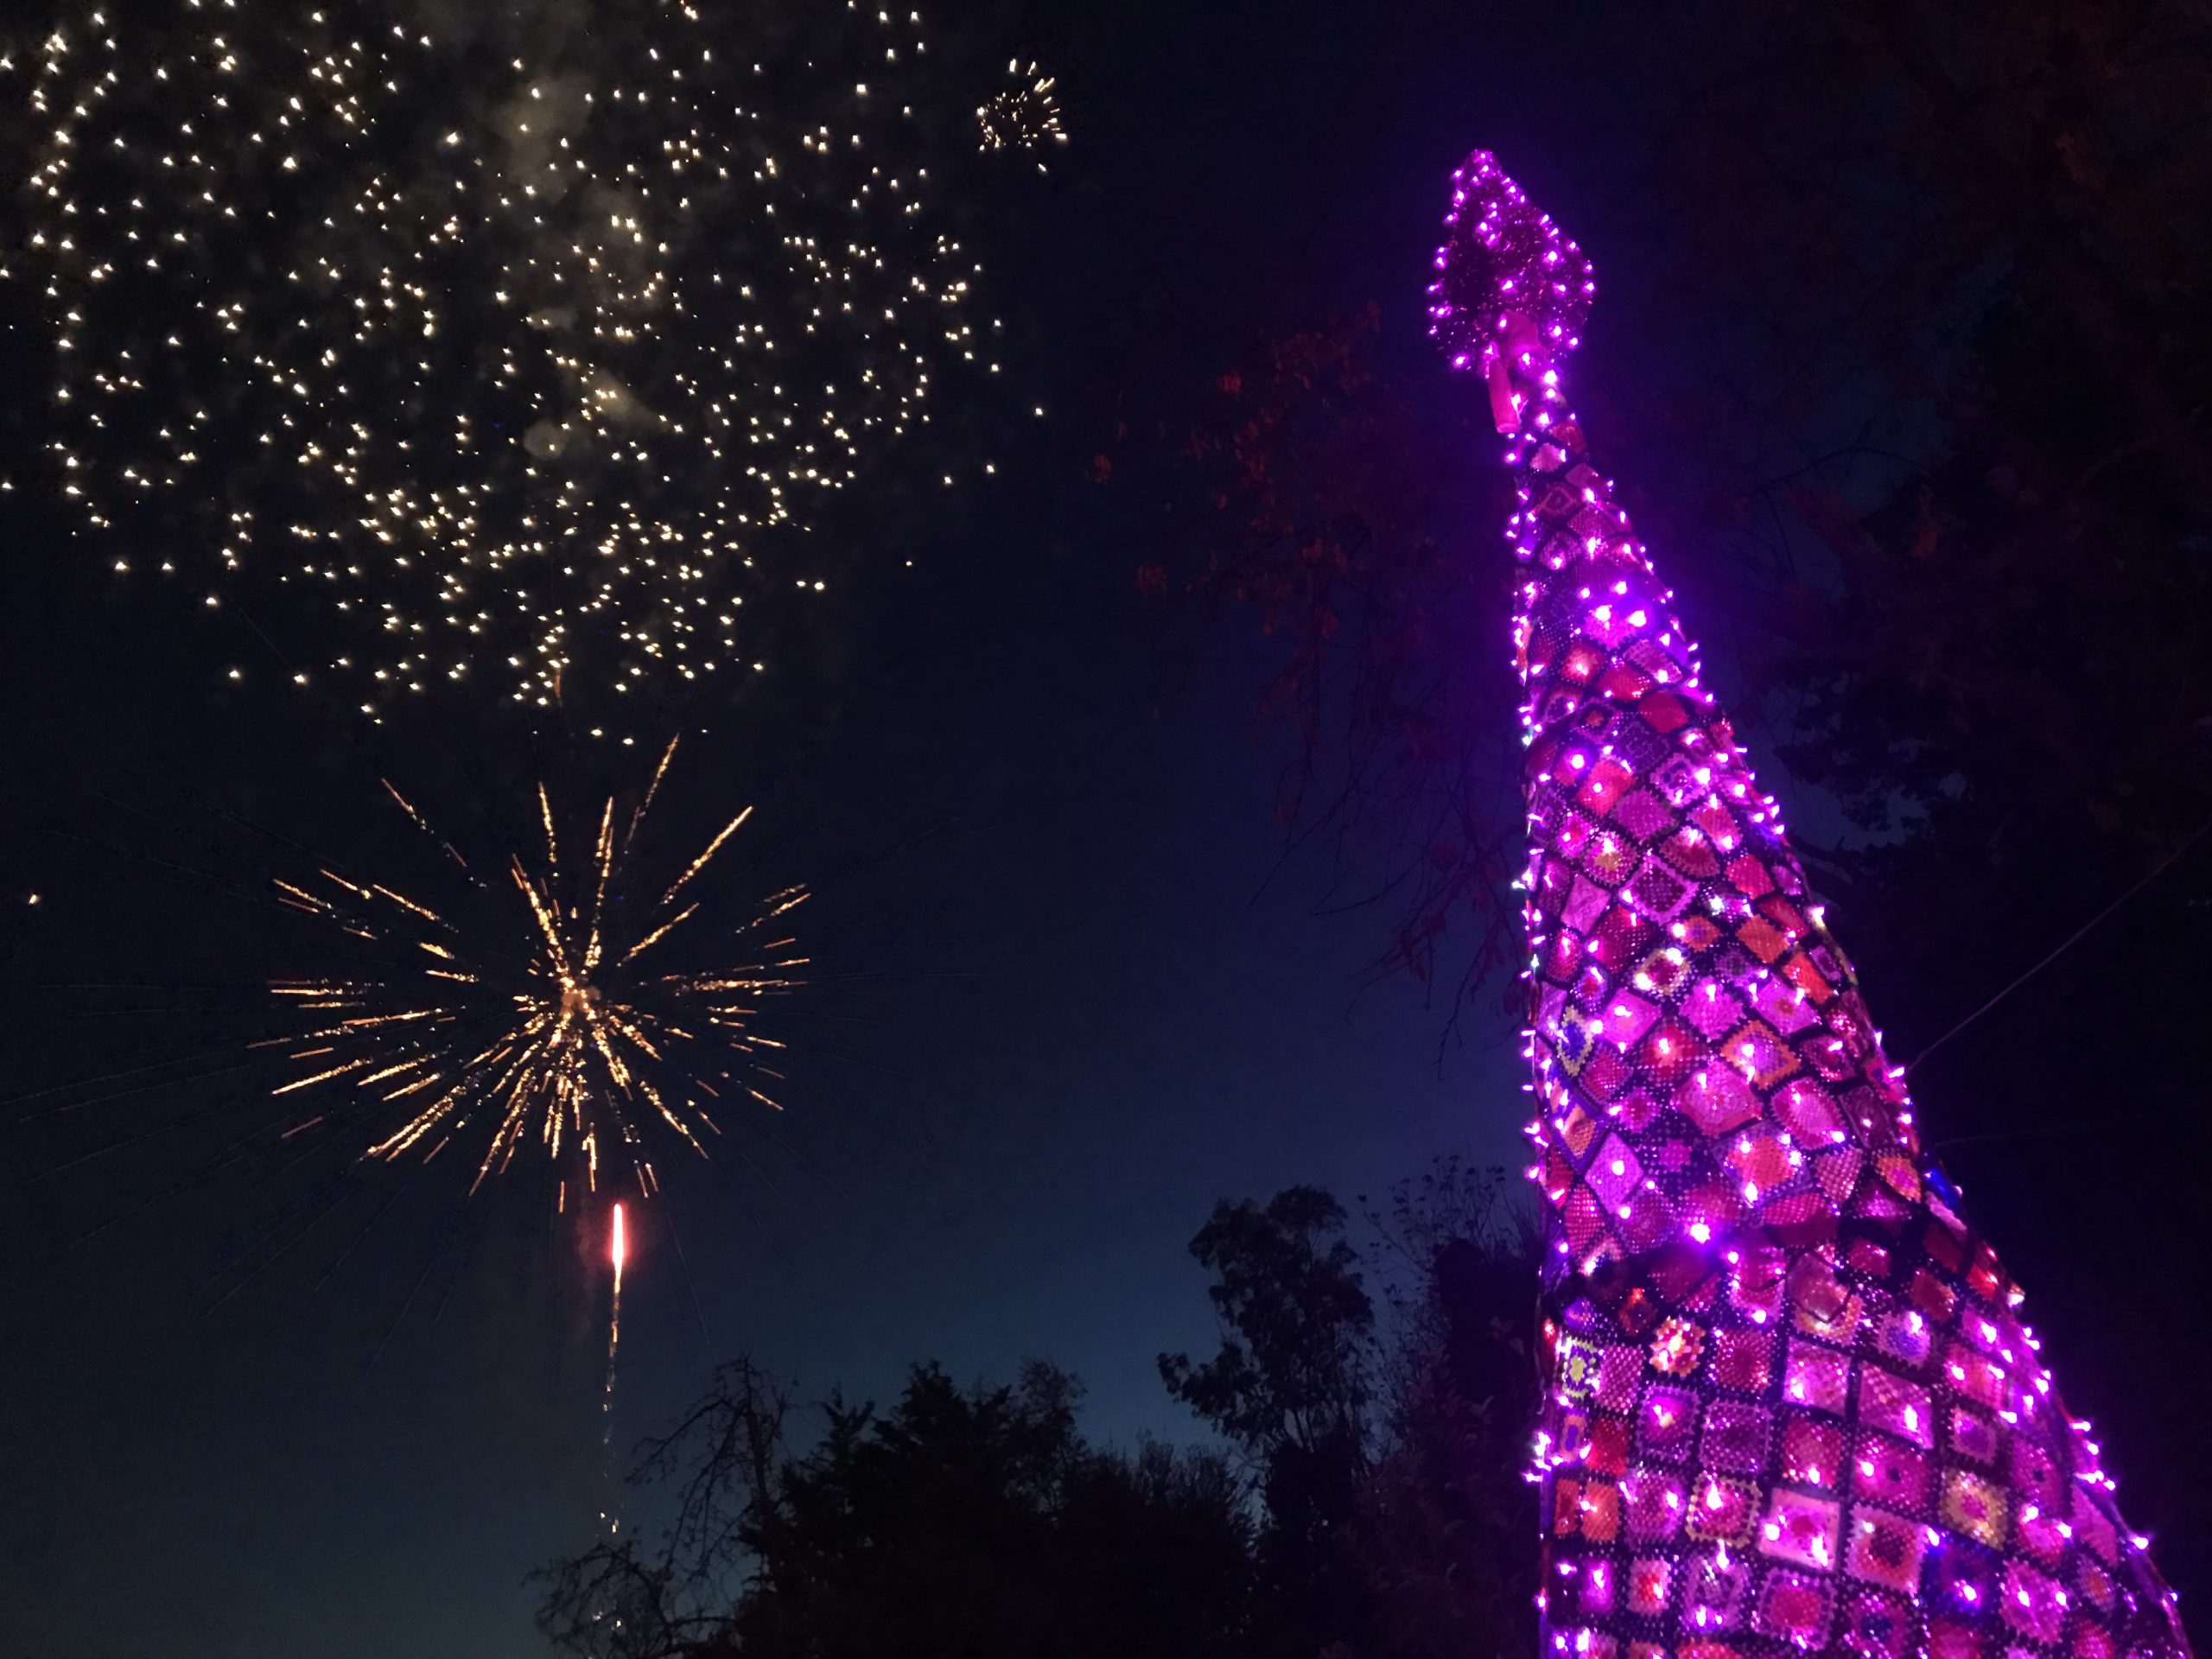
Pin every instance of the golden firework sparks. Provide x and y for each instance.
(1024, 114)
(558, 1033)
(510, 353)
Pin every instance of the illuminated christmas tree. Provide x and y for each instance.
(1791, 1404)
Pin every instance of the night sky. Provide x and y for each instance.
(1072, 993)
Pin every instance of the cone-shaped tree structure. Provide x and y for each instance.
(1791, 1403)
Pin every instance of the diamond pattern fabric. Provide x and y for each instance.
(1791, 1404)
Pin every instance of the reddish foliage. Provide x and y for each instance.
(1328, 508)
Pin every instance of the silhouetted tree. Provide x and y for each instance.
(1295, 1371)
(671, 1595)
(1292, 1389)
(1443, 1528)
(1386, 1455)
(965, 1523)
(1370, 1504)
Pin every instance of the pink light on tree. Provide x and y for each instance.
(1790, 1402)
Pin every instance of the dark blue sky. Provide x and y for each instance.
(1045, 837)
(1063, 1008)
(1010, 1166)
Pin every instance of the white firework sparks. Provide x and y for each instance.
(513, 362)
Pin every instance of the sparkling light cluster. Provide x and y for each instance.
(1023, 115)
(1791, 1405)
(544, 1025)
(511, 355)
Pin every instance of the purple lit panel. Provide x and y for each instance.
(1792, 1406)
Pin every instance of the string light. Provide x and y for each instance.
(1790, 1402)
(513, 361)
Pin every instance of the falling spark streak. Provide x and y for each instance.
(559, 1038)
(700, 862)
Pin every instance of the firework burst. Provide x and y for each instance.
(1024, 114)
(547, 1026)
(510, 355)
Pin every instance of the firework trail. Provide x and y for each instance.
(618, 1251)
(509, 356)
